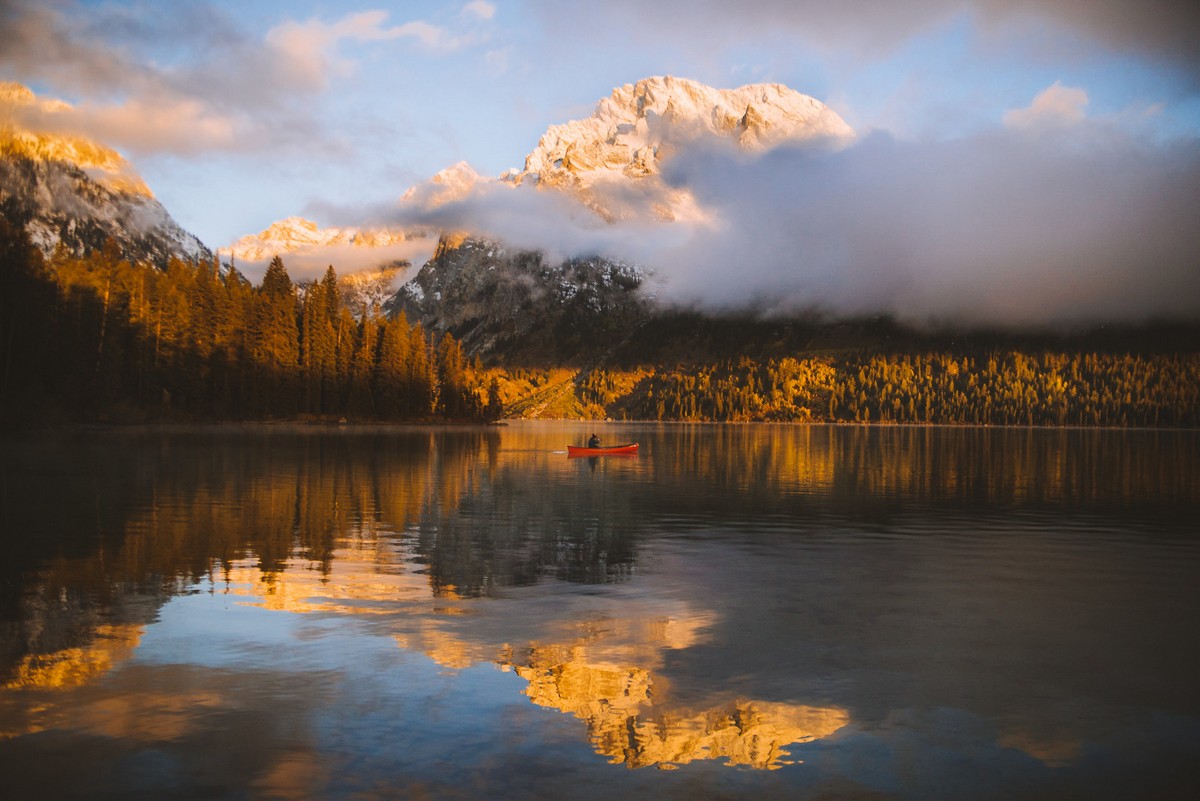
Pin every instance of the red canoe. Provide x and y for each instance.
(579, 450)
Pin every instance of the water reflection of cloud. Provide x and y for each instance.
(150, 730)
(1054, 753)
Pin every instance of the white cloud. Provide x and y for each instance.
(1057, 106)
(178, 125)
(225, 90)
(995, 228)
(310, 264)
(480, 9)
(310, 47)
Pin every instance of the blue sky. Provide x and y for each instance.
(242, 112)
(362, 100)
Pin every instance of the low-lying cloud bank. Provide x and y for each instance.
(999, 229)
(1014, 226)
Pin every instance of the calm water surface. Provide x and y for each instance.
(738, 612)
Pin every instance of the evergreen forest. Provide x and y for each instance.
(101, 339)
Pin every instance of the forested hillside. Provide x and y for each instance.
(688, 367)
(999, 388)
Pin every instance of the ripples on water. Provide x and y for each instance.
(740, 611)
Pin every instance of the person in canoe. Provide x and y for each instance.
(594, 442)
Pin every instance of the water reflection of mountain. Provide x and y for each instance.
(630, 726)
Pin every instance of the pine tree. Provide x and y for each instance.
(360, 400)
(454, 397)
(274, 342)
(345, 343)
(391, 370)
(28, 308)
(421, 381)
(319, 344)
(495, 407)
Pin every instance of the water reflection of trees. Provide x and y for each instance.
(170, 508)
(104, 519)
(854, 472)
(507, 527)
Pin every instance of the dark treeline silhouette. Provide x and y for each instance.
(100, 338)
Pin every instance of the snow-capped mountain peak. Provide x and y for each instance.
(634, 128)
(610, 161)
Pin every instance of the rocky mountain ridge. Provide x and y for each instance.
(517, 302)
(66, 189)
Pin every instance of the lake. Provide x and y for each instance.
(739, 611)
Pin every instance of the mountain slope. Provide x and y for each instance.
(518, 303)
(69, 190)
